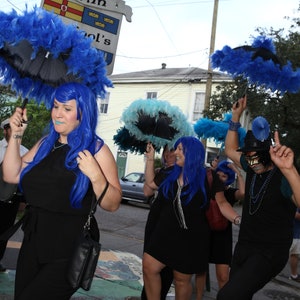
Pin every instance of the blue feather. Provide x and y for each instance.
(47, 30)
(260, 128)
(206, 128)
(258, 69)
(152, 108)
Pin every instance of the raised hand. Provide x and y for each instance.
(281, 155)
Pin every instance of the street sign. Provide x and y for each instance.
(99, 19)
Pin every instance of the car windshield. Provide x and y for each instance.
(134, 177)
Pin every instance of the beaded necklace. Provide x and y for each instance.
(178, 207)
(257, 199)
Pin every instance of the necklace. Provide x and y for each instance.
(257, 199)
(57, 145)
(178, 207)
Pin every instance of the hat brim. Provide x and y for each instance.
(251, 149)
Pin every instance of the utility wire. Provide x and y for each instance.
(162, 25)
(160, 57)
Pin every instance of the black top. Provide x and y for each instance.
(51, 220)
(267, 220)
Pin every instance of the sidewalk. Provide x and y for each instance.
(119, 276)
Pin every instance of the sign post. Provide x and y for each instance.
(99, 19)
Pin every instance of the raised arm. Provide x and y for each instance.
(232, 139)
(13, 163)
(283, 157)
(149, 184)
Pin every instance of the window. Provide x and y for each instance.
(199, 106)
(104, 104)
(151, 95)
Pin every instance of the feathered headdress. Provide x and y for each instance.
(39, 38)
(153, 120)
(259, 64)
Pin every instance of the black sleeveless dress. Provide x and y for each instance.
(183, 250)
(52, 221)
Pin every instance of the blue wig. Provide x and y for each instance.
(223, 167)
(193, 171)
(82, 137)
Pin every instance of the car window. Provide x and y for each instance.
(134, 177)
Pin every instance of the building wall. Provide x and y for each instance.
(123, 94)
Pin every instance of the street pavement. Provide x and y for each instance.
(119, 276)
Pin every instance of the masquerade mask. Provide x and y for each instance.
(253, 160)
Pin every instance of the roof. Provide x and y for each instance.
(165, 74)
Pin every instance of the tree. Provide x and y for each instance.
(282, 111)
(39, 114)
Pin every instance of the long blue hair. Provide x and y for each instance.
(81, 138)
(193, 171)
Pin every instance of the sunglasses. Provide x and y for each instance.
(7, 126)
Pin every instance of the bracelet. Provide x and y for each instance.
(237, 220)
(234, 126)
(150, 159)
(17, 136)
(103, 193)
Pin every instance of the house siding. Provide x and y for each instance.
(178, 90)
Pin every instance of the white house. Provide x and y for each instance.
(182, 87)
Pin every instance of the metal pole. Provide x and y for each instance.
(211, 51)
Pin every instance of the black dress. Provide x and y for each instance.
(183, 250)
(221, 241)
(50, 228)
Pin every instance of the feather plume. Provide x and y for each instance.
(43, 29)
(156, 121)
(206, 128)
(259, 64)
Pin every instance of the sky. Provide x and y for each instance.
(178, 32)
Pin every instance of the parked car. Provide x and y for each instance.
(132, 188)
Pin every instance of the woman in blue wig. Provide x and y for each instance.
(271, 196)
(221, 241)
(60, 177)
(180, 239)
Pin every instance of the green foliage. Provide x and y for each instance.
(37, 127)
(40, 116)
(282, 111)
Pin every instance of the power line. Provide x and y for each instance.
(162, 25)
(161, 57)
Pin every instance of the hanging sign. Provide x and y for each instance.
(99, 19)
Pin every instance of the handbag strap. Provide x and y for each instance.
(94, 207)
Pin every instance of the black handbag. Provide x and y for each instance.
(83, 263)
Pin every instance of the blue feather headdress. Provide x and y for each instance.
(128, 142)
(259, 65)
(156, 121)
(45, 30)
(206, 128)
